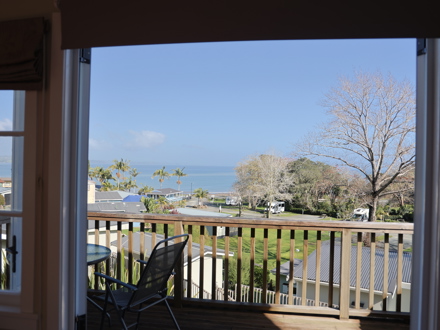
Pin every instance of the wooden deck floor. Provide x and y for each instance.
(157, 317)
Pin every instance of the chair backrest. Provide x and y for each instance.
(159, 268)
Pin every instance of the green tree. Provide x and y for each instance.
(162, 174)
(2, 201)
(128, 184)
(316, 184)
(144, 189)
(179, 173)
(150, 204)
(120, 166)
(107, 186)
(102, 175)
(199, 193)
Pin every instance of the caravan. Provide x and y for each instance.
(276, 207)
(360, 215)
(231, 200)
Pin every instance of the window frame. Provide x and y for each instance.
(22, 299)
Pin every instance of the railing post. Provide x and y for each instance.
(178, 279)
(344, 289)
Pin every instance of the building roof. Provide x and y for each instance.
(164, 191)
(5, 190)
(193, 211)
(284, 268)
(108, 196)
(126, 207)
(114, 195)
(133, 198)
(365, 267)
(148, 239)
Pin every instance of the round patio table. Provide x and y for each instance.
(97, 253)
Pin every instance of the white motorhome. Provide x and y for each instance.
(360, 215)
(231, 200)
(277, 207)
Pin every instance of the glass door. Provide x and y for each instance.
(12, 139)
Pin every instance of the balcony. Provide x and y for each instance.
(347, 286)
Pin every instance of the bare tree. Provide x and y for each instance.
(268, 178)
(371, 130)
(246, 184)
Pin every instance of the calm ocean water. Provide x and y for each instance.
(212, 178)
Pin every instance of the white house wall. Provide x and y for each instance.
(102, 236)
(207, 278)
(324, 291)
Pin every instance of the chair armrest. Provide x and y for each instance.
(114, 280)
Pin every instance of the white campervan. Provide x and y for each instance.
(231, 200)
(360, 215)
(277, 207)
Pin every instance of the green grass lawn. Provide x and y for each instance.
(259, 243)
(272, 244)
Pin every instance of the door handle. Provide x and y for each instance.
(12, 250)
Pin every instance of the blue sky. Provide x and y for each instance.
(216, 103)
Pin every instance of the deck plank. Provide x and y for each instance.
(192, 318)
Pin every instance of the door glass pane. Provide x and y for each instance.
(12, 107)
(6, 110)
(10, 258)
(11, 173)
(5, 173)
(5, 225)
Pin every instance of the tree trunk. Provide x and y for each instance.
(366, 237)
(373, 208)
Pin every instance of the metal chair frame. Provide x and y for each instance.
(131, 298)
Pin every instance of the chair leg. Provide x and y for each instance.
(101, 309)
(172, 314)
(138, 317)
(104, 311)
(121, 314)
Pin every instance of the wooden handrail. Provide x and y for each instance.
(207, 279)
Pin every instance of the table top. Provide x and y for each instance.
(97, 253)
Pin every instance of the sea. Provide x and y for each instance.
(215, 179)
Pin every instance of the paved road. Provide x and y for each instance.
(214, 207)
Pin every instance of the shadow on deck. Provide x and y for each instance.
(192, 318)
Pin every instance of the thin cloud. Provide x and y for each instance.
(145, 139)
(98, 144)
(5, 125)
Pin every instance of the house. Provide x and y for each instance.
(284, 275)
(365, 276)
(111, 196)
(54, 100)
(172, 195)
(207, 256)
(113, 207)
(202, 213)
(6, 193)
(5, 183)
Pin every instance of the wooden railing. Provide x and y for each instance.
(340, 275)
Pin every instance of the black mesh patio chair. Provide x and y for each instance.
(151, 288)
